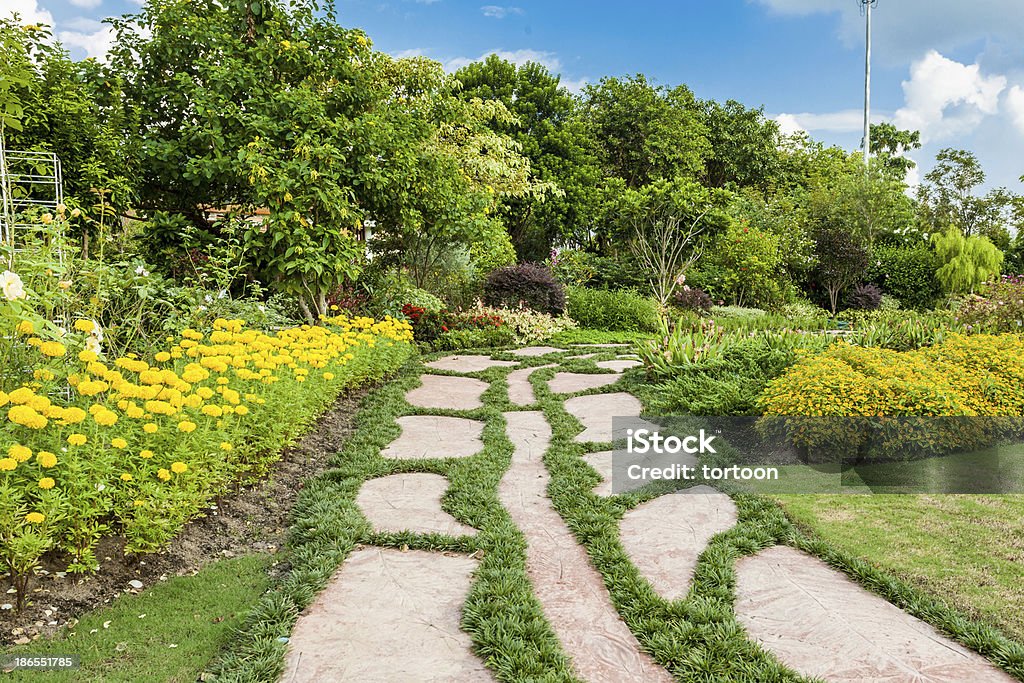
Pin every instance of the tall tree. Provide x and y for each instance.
(890, 145)
(646, 132)
(555, 141)
(744, 146)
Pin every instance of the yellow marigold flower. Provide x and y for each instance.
(4, 398)
(21, 395)
(225, 446)
(42, 374)
(119, 443)
(162, 357)
(19, 452)
(186, 426)
(53, 349)
(138, 503)
(134, 412)
(150, 428)
(27, 417)
(146, 455)
(26, 328)
(179, 467)
(46, 459)
(87, 356)
(78, 439)
(86, 326)
(8, 464)
(212, 411)
(105, 418)
(126, 477)
(47, 483)
(73, 416)
(163, 475)
(35, 518)
(328, 376)
(241, 410)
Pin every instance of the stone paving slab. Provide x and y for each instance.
(664, 536)
(583, 356)
(388, 616)
(571, 382)
(409, 502)
(530, 351)
(618, 365)
(596, 413)
(450, 393)
(433, 436)
(468, 363)
(520, 391)
(820, 623)
(571, 592)
(601, 346)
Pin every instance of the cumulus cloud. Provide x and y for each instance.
(28, 10)
(518, 57)
(95, 44)
(1015, 107)
(944, 98)
(499, 12)
(845, 121)
(86, 4)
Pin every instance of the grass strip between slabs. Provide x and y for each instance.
(698, 638)
(501, 615)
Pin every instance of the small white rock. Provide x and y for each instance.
(136, 584)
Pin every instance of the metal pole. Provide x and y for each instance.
(867, 84)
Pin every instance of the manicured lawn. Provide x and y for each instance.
(967, 549)
(167, 633)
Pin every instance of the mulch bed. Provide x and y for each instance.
(253, 519)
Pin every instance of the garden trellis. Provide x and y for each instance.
(29, 180)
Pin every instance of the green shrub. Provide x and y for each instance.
(457, 340)
(907, 273)
(623, 310)
(526, 326)
(528, 284)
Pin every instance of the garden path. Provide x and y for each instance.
(394, 615)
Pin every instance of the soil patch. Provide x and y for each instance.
(251, 519)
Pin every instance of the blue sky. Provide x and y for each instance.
(954, 70)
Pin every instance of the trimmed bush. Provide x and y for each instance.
(907, 273)
(866, 297)
(692, 299)
(526, 285)
(623, 310)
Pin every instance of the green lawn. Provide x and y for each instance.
(966, 549)
(167, 633)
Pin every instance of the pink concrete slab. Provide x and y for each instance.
(468, 363)
(618, 365)
(409, 502)
(570, 591)
(583, 356)
(601, 461)
(451, 393)
(571, 382)
(596, 413)
(820, 623)
(520, 391)
(536, 351)
(387, 616)
(664, 536)
(433, 436)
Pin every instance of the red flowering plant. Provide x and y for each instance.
(427, 326)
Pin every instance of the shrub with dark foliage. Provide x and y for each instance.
(867, 297)
(528, 284)
(692, 299)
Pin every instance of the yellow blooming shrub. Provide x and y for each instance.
(143, 444)
(961, 393)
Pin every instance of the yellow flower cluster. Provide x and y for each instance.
(150, 440)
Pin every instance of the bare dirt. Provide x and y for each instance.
(251, 519)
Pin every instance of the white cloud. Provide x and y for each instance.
(1015, 107)
(845, 121)
(944, 98)
(28, 10)
(499, 12)
(574, 85)
(96, 43)
(86, 4)
(518, 57)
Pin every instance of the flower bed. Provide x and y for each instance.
(141, 446)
